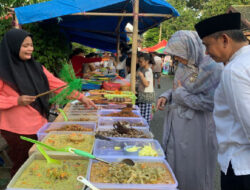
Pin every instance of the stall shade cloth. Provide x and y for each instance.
(159, 48)
(60, 12)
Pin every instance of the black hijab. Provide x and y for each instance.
(25, 77)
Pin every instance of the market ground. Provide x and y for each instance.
(156, 125)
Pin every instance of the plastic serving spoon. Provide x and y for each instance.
(63, 114)
(103, 137)
(49, 160)
(86, 154)
(74, 151)
(65, 149)
(91, 156)
(128, 162)
(87, 183)
(44, 145)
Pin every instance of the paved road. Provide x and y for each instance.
(156, 125)
(158, 118)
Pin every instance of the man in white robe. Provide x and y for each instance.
(226, 43)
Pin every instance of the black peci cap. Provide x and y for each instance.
(230, 21)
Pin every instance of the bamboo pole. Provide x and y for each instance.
(123, 14)
(16, 23)
(160, 33)
(134, 45)
(50, 91)
(117, 30)
(118, 47)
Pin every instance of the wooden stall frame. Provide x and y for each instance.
(136, 16)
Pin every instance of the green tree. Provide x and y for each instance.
(5, 24)
(186, 21)
(191, 12)
(188, 17)
(151, 37)
(86, 49)
(196, 4)
(51, 46)
(216, 7)
(5, 4)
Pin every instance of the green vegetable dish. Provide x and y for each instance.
(140, 173)
(40, 175)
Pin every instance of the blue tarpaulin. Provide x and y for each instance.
(94, 31)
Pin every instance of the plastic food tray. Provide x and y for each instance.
(113, 186)
(111, 96)
(128, 92)
(119, 107)
(111, 86)
(82, 112)
(41, 133)
(91, 82)
(111, 92)
(38, 156)
(104, 112)
(82, 118)
(80, 107)
(109, 121)
(103, 148)
(66, 132)
(146, 131)
(87, 113)
(91, 86)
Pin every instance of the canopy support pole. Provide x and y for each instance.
(134, 45)
(117, 30)
(118, 47)
(17, 26)
(123, 14)
(160, 33)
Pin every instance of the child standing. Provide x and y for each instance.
(145, 90)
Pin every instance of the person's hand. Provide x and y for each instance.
(179, 84)
(25, 100)
(139, 73)
(87, 102)
(174, 86)
(161, 103)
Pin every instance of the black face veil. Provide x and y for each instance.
(25, 77)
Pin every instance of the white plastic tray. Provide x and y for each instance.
(136, 122)
(82, 112)
(82, 118)
(135, 107)
(38, 156)
(135, 186)
(68, 132)
(103, 148)
(146, 131)
(103, 112)
(41, 132)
